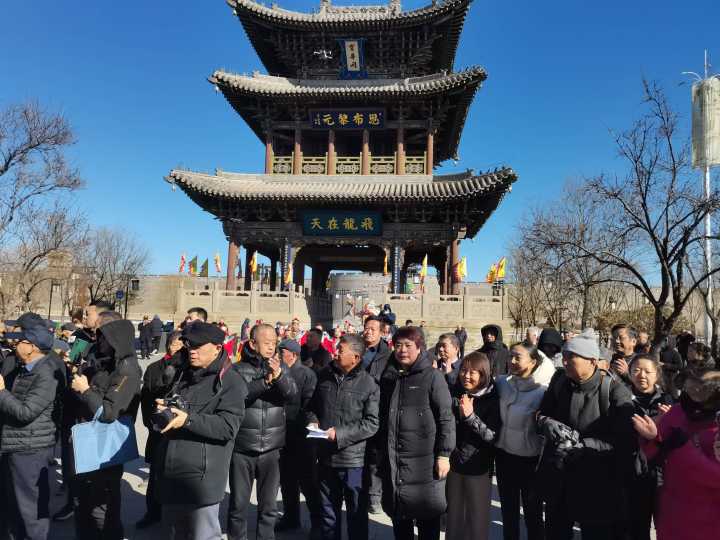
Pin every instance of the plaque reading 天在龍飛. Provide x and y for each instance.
(347, 119)
(341, 223)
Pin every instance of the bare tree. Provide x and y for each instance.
(650, 218)
(524, 290)
(40, 254)
(32, 159)
(112, 259)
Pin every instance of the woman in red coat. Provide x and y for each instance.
(685, 442)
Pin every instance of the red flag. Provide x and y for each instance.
(182, 263)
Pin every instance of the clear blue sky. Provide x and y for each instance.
(131, 78)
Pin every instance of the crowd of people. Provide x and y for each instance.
(608, 440)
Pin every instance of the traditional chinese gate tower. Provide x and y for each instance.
(360, 104)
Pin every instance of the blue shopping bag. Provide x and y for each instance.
(97, 445)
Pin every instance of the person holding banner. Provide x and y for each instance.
(28, 395)
(111, 380)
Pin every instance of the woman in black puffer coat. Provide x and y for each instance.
(477, 412)
(417, 434)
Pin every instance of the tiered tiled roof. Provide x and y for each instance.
(459, 87)
(415, 189)
(474, 196)
(336, 21)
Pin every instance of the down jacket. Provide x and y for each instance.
(114, 375)
(496, 351)
(26, 407)
(594, 476)
(416, 427)
(263, 427)
(349, 403)
(519, 401)
(193, 461)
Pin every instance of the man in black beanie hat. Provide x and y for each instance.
(199, 420)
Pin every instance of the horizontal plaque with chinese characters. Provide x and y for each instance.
(341, 223)
(347, 119)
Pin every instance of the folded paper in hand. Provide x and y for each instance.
(316, 433)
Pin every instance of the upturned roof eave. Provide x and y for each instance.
(256, 18)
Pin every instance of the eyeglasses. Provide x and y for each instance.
(638, 371)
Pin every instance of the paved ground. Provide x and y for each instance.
(133, 507)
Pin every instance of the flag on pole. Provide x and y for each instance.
(253, 264)
(182, 264)
(424, 269)
(204, 269)
(385, 265)
(490, 278)
(501, 268)
(192, 269)
(218, 263)
(288, 274)
(462, 269)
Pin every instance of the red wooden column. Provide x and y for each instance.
(429, 155)
(232, 261)
(454, 262)
(331, 153)
(268, 153)
(400, 155)
(365, 158)
(297, 152)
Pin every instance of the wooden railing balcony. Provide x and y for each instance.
(314, 165)
(348, 164)
(382, 164)
(415, 164)
(282, 164)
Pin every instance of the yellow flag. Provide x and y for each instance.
(424, 270)
(288, 274)
(462, 268)
(490, 278)
(501, 268)
(253, 264)
(385, 266)
(218, 264)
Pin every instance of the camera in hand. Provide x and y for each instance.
(160, 419)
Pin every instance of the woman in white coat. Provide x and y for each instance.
(518, 444)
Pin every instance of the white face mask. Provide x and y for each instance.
(71, 340)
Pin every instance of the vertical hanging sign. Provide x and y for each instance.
(352, 54)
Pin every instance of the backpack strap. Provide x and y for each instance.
(605, 382)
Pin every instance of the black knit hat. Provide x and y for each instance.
(199, 333)
(550, 336)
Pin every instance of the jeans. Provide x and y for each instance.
(468, 514)
(244, 470)
(27, 493)
(516, 482)
(336, 485)
(97, 516)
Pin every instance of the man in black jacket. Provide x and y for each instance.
(298, 462)
(193, 455)
(585, 417)
(158, 379)
(28, 397)
(345, 404)
(496, 351)
(110, 380)
(261, 435)
(374, 360)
